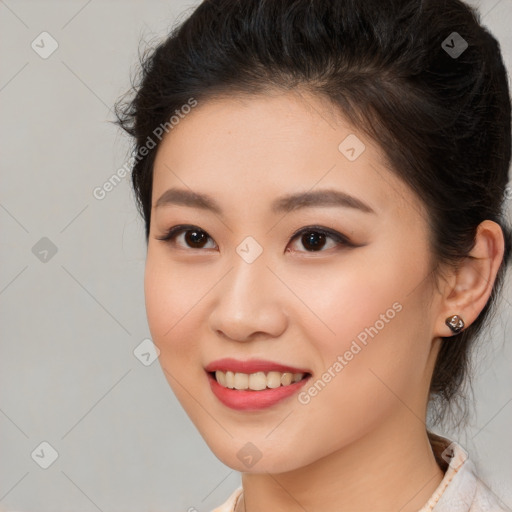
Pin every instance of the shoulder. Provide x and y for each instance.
(468, 493)
(465, 491)
(229, 505)
(486, 500)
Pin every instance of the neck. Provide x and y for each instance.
(387, 469)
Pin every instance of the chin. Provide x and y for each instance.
(246, 457)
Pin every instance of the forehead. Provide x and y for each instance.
(263, 146)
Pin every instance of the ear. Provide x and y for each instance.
(469, 287)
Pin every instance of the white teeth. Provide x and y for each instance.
(286, 379)
(230, 380)
(256, 381)
(241, 381)
(221, 377)
(273, 379)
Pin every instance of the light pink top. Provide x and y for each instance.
(460, 490)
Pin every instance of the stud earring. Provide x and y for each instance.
(455, 323)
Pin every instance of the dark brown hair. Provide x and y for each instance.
(424, 79)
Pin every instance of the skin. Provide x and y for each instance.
(361, 441)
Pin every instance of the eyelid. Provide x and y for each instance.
(339, 238)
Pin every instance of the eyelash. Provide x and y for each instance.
(172, 233)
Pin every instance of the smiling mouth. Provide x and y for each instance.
(256, 381)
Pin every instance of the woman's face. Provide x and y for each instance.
(331, 328)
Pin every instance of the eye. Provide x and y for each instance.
(194, 236)
(315, 238)
(312, 237)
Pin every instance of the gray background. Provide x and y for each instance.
(71, 320)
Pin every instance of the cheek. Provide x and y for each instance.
(371, 371)
(369, 294)
(373, 338)
(170, 294)
(172, 307)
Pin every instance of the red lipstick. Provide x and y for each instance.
(251, 366)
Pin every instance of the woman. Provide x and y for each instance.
(322, 185)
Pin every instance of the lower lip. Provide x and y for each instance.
(247, 400)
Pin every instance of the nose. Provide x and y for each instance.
(250, 303)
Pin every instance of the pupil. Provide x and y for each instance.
(315, 240)
(193, 236)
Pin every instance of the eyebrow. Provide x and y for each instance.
(284, 204)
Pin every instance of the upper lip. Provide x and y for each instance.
(251, 366)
